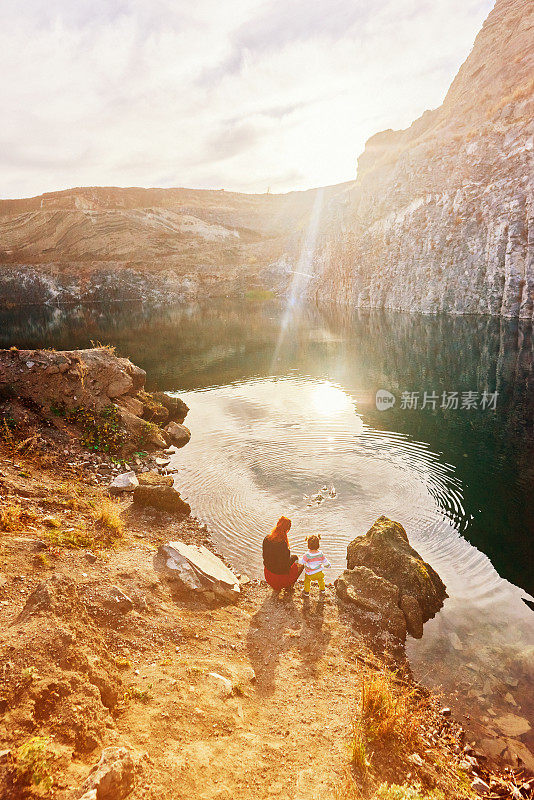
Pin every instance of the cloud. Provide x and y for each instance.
(244, 94)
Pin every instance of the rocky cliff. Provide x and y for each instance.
(440, 217)
(98, 243)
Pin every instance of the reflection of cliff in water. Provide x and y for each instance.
(196, 346)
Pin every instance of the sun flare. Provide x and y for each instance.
(329, 399)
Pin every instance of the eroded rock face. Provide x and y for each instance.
(112, 778)
(98, 381)
(386, 551)
(91, 378)
(373, 597)
(441, 217)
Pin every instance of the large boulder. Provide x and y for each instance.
(144, 435)
(154, 479)
(164, 498)
(386, 551)
(196, 569)
(375, 600)
(177, 408)
(177, 434)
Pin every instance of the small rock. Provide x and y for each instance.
(512, 725)
(127, 482)
(479, 786)
(51, 522)
(510, 699)
(163, 462)
(90, 556)
(90, 795)
(518, 751)
(445, 712)
(153, 479)
(178, 434)
(224, 684)
(119, 601)
(455, 641)
(5, 756)
(39, 600)
(243, 580)
(416, 759)
(164, 498)
(493, 747)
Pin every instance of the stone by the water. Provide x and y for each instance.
(126, 482)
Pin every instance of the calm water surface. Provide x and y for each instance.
(283, 403)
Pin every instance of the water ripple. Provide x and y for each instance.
(262, 446)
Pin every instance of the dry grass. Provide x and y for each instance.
(390, 712)
(10, 514)
(109, 348)
(108, 517)
(72, 537)
(389, 745)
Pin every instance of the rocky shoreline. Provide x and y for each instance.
(85, 605)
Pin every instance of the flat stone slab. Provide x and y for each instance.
(208, 564)
(512, 725)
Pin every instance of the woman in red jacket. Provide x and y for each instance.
(280, 567)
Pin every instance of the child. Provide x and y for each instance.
(314, 561)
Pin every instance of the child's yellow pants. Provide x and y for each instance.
(318, 576)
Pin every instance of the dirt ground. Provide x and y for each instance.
(252, 700)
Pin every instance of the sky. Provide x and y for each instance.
(245, 95)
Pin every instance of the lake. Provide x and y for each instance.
(284, 409)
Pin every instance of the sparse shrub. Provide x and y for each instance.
(101, 430)
(71, 538)
(358, 755)
(138, 694)
(108, 517)
(34, 762)
(10, 514)
(28, 674)
(109, 348)
(389, 710)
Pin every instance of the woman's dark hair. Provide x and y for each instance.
(279, 532)
(313, 542)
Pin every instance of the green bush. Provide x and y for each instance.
(34, 761)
